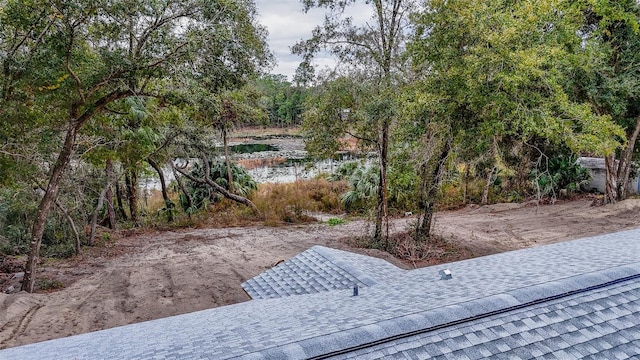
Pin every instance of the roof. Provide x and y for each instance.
(320, 269)
(554, 301)
(591, 162)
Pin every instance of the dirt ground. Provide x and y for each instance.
(153, 275)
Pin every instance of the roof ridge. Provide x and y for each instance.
(341, 342)
(330, 254)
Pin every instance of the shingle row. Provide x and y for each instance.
(600, 324)
(309, 272)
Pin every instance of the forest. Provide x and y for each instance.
(459, 102)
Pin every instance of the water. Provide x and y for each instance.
(251, 148)
(292, 171)
(295, 166)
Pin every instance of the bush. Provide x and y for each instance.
(203, 195)
(363, 189)
(18, 208)
(562, 172)
(48, 284)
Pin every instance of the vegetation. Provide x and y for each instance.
(459, 101)
(336, 221)
(295, 202)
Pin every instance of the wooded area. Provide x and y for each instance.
(460, 101)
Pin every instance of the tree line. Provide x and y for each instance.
(441, 89)
(95, 95)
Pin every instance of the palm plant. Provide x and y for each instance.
(202, 194)
(363, 188)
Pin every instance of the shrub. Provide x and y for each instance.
(48, 284)
(561, 172)
(18, 208)
(363, 189)
(203, 195)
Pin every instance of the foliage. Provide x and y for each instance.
(202, 194)
(501, 67)
(363, 189)
(17, 211)
(560, 172)
(336, 221)
(283, 102)
(344, 171)
(332, 111)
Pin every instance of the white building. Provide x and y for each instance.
(597, 170)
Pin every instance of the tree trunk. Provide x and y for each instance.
(227, 160)
(109, 195)
(163, 185)
(624, 166)
(94, 216)
(101, 199)
(49, 198)
(121, 211)
(381, 208)
(465, 189)
(487, 185)
(611, 181)
(183, 189)
(494, 156)
(131, 181)
(431, 174)
(74, 229)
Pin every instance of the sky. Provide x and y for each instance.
(287, 24)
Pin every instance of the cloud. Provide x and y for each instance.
(288, 24)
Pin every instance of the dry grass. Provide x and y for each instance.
(256, 163)
(258, 131)
(279, 204)
(293, 202)
(434, 251)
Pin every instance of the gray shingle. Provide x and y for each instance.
(319, 269)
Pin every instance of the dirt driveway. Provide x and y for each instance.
(161, 274)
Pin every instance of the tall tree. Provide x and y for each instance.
(374, 48)
(613, 88)
(501, 69)
(75, 59)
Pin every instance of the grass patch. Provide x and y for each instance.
(336, 221)
(49, 284)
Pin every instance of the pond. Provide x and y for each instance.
(292, 170)
(251, 148)
(281, 160)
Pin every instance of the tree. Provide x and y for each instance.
(373, 49)
(282, 101)
(613, 88)
(74, 60)
(500, 69)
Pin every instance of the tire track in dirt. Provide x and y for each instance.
(19, 324)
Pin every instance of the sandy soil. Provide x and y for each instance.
(154, 275)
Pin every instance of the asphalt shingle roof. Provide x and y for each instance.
(320, 269)
(552, 301)
(602, 323)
